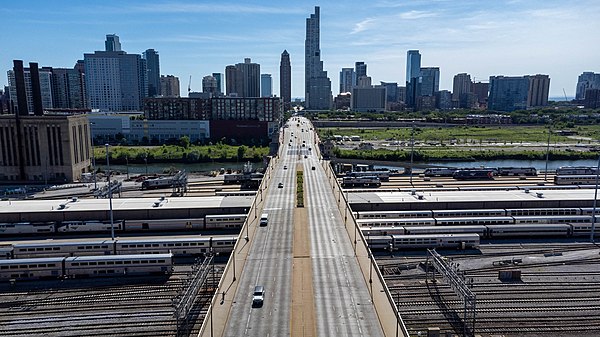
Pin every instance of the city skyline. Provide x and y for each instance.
(510, 38)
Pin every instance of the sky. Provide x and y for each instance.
(197, 38)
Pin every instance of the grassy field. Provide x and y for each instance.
(469, 134)
(174, 153)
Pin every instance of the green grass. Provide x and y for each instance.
(466, 134)
(174, 153)
(300, 189)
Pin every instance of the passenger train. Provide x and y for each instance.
(473, 213)
(187, 245)
(589, 179)
(401, 242)
(209, 222)
(85, 266)
(576, 170)
(369, 181)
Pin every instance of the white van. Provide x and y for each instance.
(264, 219)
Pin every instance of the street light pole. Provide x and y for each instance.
(547, 153)
(112, 228)
(595, 202)
(412, 151)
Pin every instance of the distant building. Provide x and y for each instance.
(368, 99)
(360, 70)
(539, 87)
(220, 80)
(43, 84)
(592, 99)
(443, 99)
(115, 80)
(508, 93)
(480, 89)
(153, 67)
(210, 86)
(364, 82)
(391, 91)
(266, 85)
(347, 80)
(430, 81)
(285, 80)
(157, 132)
(342, 101)
(461, 85)
(68, 88)
(233, 82)
(426, 103)
(402, 94)
(177, 108)
(587, 80)
(413, 77)
(169, 86)
(317, 85)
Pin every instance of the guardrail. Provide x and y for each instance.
(228, 284)
(380, 294)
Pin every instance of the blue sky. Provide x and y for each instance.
(483, 38)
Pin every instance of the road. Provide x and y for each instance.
(341, 300)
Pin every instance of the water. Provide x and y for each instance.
(160, 168)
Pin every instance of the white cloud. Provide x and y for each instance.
(362, 26)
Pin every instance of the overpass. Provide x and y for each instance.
(318, 275)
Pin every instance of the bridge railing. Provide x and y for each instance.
(216, 318)
(381, 296)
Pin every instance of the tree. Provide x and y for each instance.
(184, 142)
(241, 151)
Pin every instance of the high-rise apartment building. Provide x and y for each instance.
(539, 87)
(587, 80)
(153, 67)
(210, 86)
(285, 80)
(115, 80)
(461, 85)
(68, 88)
(391, 91)
(34, 79)
(480, 89)
(317, 84)
(220, 80)
(243, 79)
(169, 86)
(266, 85)
(413, 77)
(347, 80)
(508, 93)
(430, 81)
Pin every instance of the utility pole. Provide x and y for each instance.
(112, 228)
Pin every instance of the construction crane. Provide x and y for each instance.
(565, 93)
(190, 85)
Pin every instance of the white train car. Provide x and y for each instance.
(468, 213)
(474, 229)
(88, 226)
(553, 219)
(528, 230)
(589, 179)
(396, 222)
(163, 224)
(462, 241)
(27, 228)
(583, 229)
(27, 269)
(379, 231)
(113, 265)
(575, 170)
(224, 221)
(53, 248)
(542, 211)
(473, 221)
(176, 246)
(393, 214)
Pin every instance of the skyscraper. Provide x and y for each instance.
(243, 79)
(360, 70)
(539, 87)
(37, 91)
(153, 66)
(210, 85)
(317, 84)
(347, 80)
(413, 77)
(220, 80)
(115, 80)
(112, 43)
(68, 88)
(430, 81)
(508, 93)
(285, 80)
(232, 83)
(587, 80)
(169, 86)
(266, 85)
(461, 84)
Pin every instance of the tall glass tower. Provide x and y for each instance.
(317, 84)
